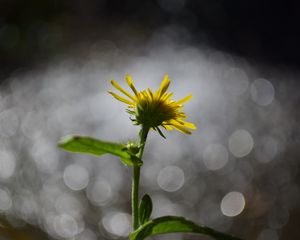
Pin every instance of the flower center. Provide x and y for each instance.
(153, 112)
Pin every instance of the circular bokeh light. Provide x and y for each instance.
(262, 92)
(232, 204)
(236, 81)
(76, 177)
(100, 192)
(240, 143)
(117, 223)
(170, 178)
(7, 164)
(65, 226)
(215, 156)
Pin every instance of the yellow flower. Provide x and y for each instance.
(154, 109)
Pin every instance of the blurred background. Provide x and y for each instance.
(237, 173)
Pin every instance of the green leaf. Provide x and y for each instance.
(88, 145)
(145, 209)
(173, 224)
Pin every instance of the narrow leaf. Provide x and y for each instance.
(145, 209)
(173, 224)
(160, 133)
(88, 145)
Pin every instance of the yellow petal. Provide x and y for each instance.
(167, 127)
(189, 125)
(144, 95)
(179, 126)
(182, 129)
(117, 86)
(124, 100)
(150, 93)
(130, 84)
(185, 99)
(166, 96)
(181, 115)
(163, 86)
(179, 121)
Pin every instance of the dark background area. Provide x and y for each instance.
(266, 33)
(34, 31)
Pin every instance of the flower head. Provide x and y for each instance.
(154, 109)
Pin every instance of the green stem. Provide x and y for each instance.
(136, 180)
(135, 197)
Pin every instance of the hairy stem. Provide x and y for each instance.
(136, 180)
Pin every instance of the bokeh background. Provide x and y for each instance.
(237, 173)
